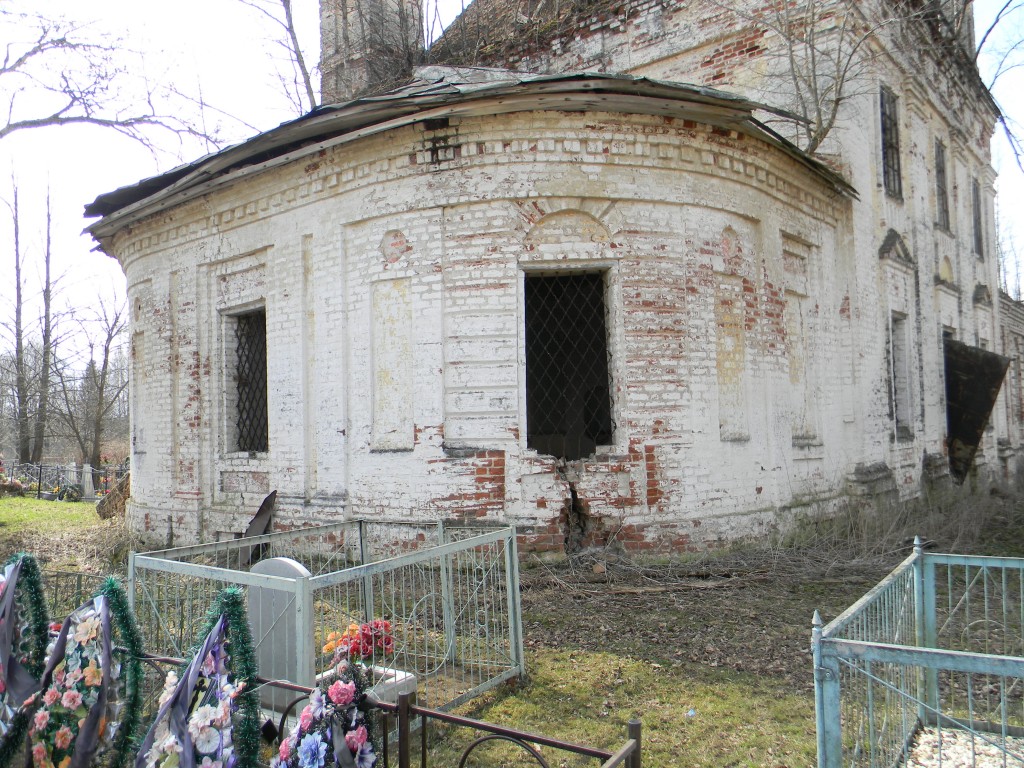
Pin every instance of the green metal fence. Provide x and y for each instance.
(936, 648)
(449, 593)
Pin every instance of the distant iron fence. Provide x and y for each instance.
(450, 596)
(937, 645)
(46, 480)
(67, 590)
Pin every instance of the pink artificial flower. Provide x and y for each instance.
(209, 664)
(39, 754)
(51, 697)
(355, 739)
(73, 677)
(41, 719)
(341, 693)
(62, 739)
(285, 749)
(306, 718)
(71, 699)
(59, 676)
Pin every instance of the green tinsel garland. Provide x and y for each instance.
(231, 604)
(130, 639)
(31, 581)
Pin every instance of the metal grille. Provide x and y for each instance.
(979, 239)
(891, 172)
(937, 647)
(251, 378)
(568, 397)
(941, 188)
(451, 595)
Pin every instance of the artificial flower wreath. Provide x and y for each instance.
(23, 640)
(334, 728)
(209, 713)
(87, 707)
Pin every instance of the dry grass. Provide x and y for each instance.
(66, 536)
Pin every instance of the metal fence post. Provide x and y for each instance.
(515, 622)
(304, 644)
(826, 701)
(131, 582)
(634, 731)
(367, 580)
(924, 568)
(447, 601)
(39, 482)
(404, 742)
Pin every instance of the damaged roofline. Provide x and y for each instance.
(419, 101)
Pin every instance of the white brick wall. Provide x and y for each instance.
(691, 211)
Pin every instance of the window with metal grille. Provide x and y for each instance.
(941, 190)
(979, 236)
(891, 173)
(251, 381)
(568, 393)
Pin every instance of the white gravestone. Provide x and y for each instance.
(273, 616)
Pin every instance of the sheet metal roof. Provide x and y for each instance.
(435, 93)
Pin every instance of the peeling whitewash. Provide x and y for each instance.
(753, 317)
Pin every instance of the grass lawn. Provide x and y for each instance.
(63, 535)
(34, 517)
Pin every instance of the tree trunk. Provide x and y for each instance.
(21, 394)
(42, 407)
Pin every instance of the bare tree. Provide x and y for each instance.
(87, 397)
(298, 84)
(46, 351)
(55, 72)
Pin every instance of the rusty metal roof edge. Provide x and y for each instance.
(381, 112)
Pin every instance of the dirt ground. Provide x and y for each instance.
(753, 617)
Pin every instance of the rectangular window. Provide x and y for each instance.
(899, 377)
(891, 173)
(251, 431)
(568, 392)
(941, 188)
(976, 215)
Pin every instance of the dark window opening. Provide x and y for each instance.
(891, 173)
(251, 381)
(900, 407)
(568, 394)
(979, 238)
(941, 188)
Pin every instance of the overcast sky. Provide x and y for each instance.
(219, 47)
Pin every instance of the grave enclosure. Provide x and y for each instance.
(450, 594)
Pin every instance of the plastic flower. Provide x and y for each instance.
(356, 738)
(209, 664)
(71, 699)
(41, 719)
(207, 739)
(285, 750)
(93, 675)
(311, 751)
(209, 762)
(306, 718)
(39, 754)
(366, 757)
(317, 703)
(51, 697)
(62, 739)
(342, 693)
(87, 629)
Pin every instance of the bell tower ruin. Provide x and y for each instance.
(367, 46)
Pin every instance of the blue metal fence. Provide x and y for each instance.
(937, 645)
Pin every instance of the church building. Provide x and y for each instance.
(621, 274)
